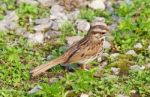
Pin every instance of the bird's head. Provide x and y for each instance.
(98, 30)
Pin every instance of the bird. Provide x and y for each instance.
(82, 52)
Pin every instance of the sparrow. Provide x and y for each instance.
(81, 52)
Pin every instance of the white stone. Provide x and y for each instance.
(42, 21)
(97, 4)
(138, 45)
(42, 27)
(149, 47)
(137, 67)
(115, 70)
(84, 95)
(83, 25)
(131, 52)
(147, 65)
(73, 15)
(36, 38)
(56, 9)
(106, 45)
(73, 39)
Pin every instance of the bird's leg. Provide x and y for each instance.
(67, 67)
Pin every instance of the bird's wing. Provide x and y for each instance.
(84, 49)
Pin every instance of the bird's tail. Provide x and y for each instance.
(42, 68)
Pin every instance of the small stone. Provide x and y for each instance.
(83, 25)
(42, 27)
(97, 4)
(42, 21)
(56, 9)
(73, 39)
(55, 25)
(131, 52)
(84, 95)
(149, 47)
(73, 15)
(35, 89)
(20, 31)
(99, 19)
(46, 3)
(121, 95)
(32, 2)
(102, 65)
(137, 67)
(52, 34)
(11, 16)
(138, 45)
(115, 70)
(106, 45)
(36, 38)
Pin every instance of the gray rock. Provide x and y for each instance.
(32, 2)
(131, 52)
(115, 70)
(137, 67)
(97, 4)
(21, 31)
(106, 45)
(102, 65)
(38, 37)
(9, 22)
(35, 89)
(138, 45)
(99, 19)
(73, 39)
(55, 25)
(42, 21)
(55, 9)
(83, 25)
(47, 3)
(52, 34)
(73, 15)
(42, 27)
(109, 6)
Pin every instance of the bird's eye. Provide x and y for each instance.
(102, 32)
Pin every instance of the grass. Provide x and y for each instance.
(17, 57)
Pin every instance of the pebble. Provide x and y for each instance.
(138, 45)
(149, 47)
(121, 95)
(42, 21)
(32, 2)
(42, 27)
(97, 4)
(115, 70)
(38, 37)
(83, 25)
(131, 52)
(52, 34)
(137, 67)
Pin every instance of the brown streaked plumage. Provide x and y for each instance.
(83, 51)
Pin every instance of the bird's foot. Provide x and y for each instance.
(68, 67)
